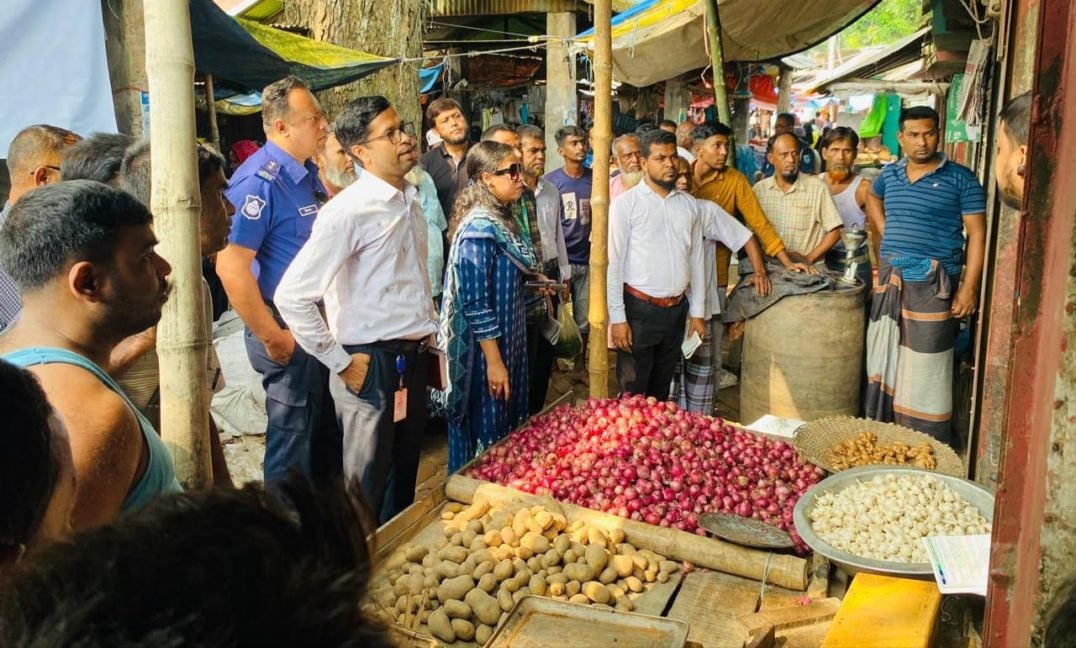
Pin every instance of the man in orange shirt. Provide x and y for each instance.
(714, 180)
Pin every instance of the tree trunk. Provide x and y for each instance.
(741, 118)
(387, 28)
(125, 47)
(175, 202)
(677, 99)
(561, 102)
(784, 90)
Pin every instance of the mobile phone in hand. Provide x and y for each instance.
(545, 284)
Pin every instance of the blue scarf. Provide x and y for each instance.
(453, 335)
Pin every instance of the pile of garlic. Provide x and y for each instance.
(885, 517)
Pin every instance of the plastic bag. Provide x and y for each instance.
(570, 343)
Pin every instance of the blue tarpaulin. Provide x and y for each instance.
(428, 77)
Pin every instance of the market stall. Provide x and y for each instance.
(602, 505)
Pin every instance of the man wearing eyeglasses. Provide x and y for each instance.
(366, 259)
(277, 195)
(33, 159)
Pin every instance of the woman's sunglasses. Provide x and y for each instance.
(513, 172)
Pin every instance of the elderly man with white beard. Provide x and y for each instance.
(629, 160)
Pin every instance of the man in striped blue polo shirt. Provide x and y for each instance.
(930, 215)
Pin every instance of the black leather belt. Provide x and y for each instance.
(402, 346)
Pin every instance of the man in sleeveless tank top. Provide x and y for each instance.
(839, 148)
(82, 254)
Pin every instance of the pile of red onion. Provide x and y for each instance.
(651, 461)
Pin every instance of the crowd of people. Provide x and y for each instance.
(372, 279)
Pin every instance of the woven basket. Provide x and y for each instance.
(817, 440)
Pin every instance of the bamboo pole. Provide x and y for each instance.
(717, 61)
(211, 106)
(601, 139)
(175, 202)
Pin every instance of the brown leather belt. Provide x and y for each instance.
(661, 302)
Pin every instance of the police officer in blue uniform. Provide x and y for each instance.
(277, 196)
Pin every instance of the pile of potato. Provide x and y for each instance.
(464, 587)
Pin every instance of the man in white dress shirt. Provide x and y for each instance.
(655, 254)
(366, 258)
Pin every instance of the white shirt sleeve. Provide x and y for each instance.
(304, 284)
(619, 235)
(562, 257)
(562, 249)
(720, 226)
(697, 287)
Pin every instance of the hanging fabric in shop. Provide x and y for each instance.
(872, 123)
(971, 92)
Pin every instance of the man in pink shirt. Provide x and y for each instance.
(629, 160)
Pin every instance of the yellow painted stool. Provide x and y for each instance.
(885, 612)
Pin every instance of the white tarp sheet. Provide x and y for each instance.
(53, 67)
(239, 408)
(665, 38)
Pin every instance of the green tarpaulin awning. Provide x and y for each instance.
(247, 56)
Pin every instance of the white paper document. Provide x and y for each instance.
(774, 426)
(691, 345)
(961, 564)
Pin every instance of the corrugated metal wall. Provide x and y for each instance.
(502, 7)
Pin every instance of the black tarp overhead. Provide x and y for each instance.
(249, 56)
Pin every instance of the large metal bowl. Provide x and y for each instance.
(971, 492)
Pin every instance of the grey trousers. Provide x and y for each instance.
(382, 455)
(581, 297)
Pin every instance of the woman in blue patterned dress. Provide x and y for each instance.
(482, 317)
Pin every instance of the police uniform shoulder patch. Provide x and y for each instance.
(269, 171)
(252, 207)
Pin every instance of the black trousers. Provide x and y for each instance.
(302, 434)
(540, 352)
(539, 367)
(656, 334)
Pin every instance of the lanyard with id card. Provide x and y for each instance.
(399, 409)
